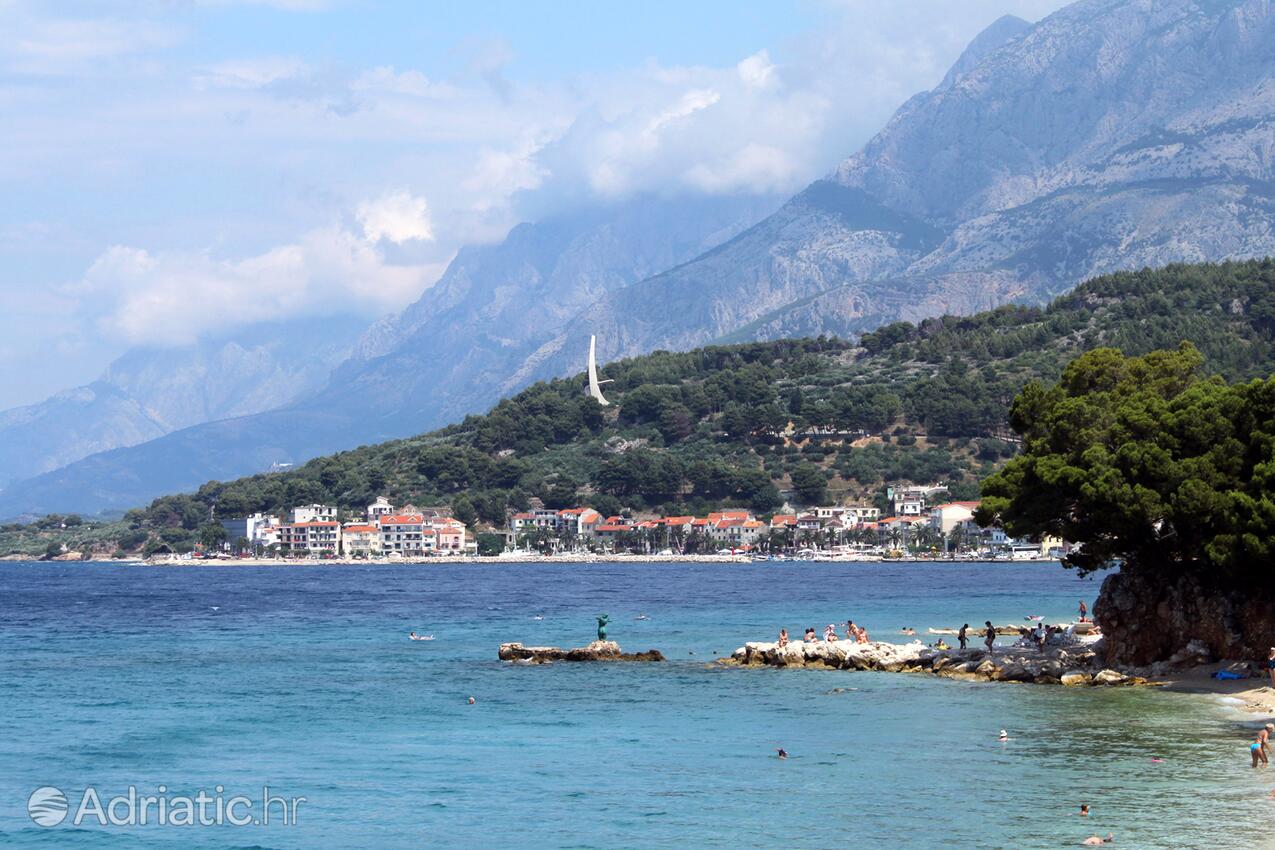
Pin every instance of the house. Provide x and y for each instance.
(314, 537)
(782, 521)
(739, 533)
(858, 514)
(911, 500)
(403, 534)
(521, 523)
(314, 513)
(612, 528)
(363, 539)
(381, 507)
(809, 522)
(449, 535)
(945, 518)
(575, 521)
(248, 528)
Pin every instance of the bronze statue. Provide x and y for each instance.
(602, 626)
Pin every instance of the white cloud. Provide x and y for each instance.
(396, 216)
(66, 46)
(169, 298)
(757, 70)
(249, 73)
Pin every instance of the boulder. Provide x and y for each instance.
(1075, 677)
(1110, 677)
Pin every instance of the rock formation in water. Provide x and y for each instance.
(599, 650)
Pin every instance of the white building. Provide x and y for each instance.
(314, 513)
(312, 537)
(381, 507)
(360, 539)
(404, 534)
(945, 518)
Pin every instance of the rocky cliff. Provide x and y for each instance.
(1113, 134)
(1151, 616)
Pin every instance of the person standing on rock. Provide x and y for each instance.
(1084, 610)
(961, 635)
(990, 637)
(1270, 665)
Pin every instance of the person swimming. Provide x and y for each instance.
(781, 753)
(1097, 840)
(1004, 736)
(1084, 810)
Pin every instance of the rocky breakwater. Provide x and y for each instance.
(1071, 665)
(599, 650)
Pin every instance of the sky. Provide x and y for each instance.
(175, 171)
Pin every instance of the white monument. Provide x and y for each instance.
(595, 386)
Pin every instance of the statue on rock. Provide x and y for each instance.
(602, 626)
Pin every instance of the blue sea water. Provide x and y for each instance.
(303, 679)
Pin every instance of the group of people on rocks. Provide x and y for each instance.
(858, 634)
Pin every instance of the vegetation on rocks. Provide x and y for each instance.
(760, 423)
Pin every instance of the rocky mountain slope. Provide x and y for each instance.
(147, 393)
(1113, 134)
(444, 356)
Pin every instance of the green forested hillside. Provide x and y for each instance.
(816, 418)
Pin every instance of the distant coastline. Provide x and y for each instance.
(518, 558)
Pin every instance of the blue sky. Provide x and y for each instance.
(177, 170)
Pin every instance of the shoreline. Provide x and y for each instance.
(520, 558)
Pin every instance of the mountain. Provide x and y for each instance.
(149, 392)
(1113, 134)
(732, 424)
(444, 356)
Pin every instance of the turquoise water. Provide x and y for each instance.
(303, 679)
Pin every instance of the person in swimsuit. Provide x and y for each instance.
(1264, 739)
(810, 635)
(990, 638)
(1255, 750)
(783, 637)
(1084, 610)
(783, 754)
(1270, 665)
(961, 636)
(1084, 810)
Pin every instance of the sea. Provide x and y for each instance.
(226, 681)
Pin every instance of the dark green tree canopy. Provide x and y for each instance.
(1146, 460)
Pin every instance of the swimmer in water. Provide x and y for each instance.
(1004, 736)
(1084, 810)
(1264, 738)
(781, 753)
(1097, 840)
(472, 700)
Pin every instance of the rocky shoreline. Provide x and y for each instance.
(1074, 665)
(599, 650)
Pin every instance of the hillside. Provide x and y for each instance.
(1112, 134)
(149, 392)
(813, 418)
(443, 357)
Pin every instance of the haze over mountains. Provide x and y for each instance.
(149, 392)
(1113, 134)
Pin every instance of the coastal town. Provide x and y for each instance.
(921, 524)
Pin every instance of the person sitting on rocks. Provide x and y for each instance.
(830, 632)
(862, 635)
(783, 637)
(810, 637)
(941, 644)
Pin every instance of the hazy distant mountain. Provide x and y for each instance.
(147, 393)
(444, 356)
(1113, 134)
